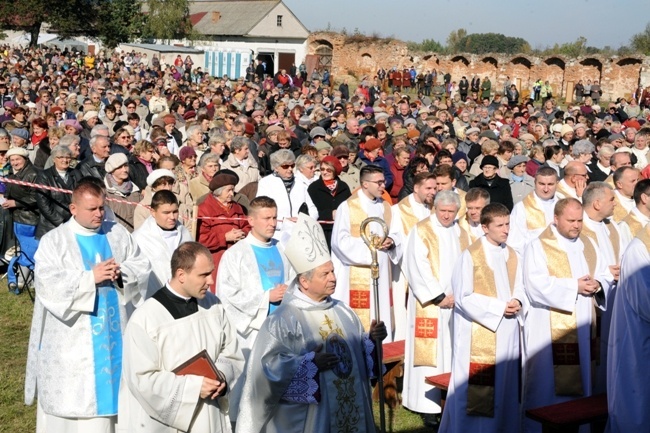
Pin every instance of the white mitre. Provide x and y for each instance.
(306, 249)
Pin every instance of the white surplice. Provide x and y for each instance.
(488, 312)
(60, 360)
(520, 235)
(352, 251)
(155, 400)
(566, 191)
(627, 202)
(624, 228)
(544, 292)
(398, 235)
(628, 394)
(158, 246)
(424, 287)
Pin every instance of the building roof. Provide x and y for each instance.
(165, 48)
(236, 17)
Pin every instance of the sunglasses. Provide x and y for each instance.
(326, 170)
(288, 166)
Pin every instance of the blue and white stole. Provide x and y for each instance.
(271, 268)
(106, 327)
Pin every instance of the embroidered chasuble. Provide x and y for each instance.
(271, 268)
(425, 352)
(106, 328)
(564, 330)
(360, 276)
(482, 363)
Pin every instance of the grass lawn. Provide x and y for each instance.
(15, 321)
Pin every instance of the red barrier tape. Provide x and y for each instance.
(116, 200)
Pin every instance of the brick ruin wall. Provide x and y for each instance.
(618, 76)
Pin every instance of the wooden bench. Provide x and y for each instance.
(569, 416)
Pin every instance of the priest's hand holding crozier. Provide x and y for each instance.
(377, 331)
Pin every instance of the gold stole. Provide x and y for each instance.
(483, 349)
(409, 219)
(613, 237)
(562, 190)
(633, 223)
(619, 211)
(466, 231)
(564, 327)
(535, 217)
(426, 317)
(463, 206)
(360, 276)
(644, 236)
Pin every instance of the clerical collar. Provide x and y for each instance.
(364, 196)
(178, 306)
(175, 293)
(81, 230)
(303, 297)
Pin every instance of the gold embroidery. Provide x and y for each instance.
(535, 217)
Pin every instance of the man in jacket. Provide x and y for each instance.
(94, 165)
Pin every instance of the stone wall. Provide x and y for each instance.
(619, 76)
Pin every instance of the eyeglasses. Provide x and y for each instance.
(287, 166)
(326, 170)
(378, 182)
(125, 136)
(67, 158)
(344, 157)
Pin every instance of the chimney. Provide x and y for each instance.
(216, 16)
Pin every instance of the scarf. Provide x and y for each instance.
(331, 185)
(516, 178)
(38, 138)
(147, 164)
(288, 183)
(125, 189)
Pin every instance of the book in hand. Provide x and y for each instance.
(200, 365)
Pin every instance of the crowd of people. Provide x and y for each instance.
(514, 225)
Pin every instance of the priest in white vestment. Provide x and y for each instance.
(534, 213)
(311, 363)
(351, 256)
(625, 179)
(574, 181)
(159, 236)
(182, 319)
(87, 270)
(628, 375)
(563, 276)
(638, 217)
(433, 247)
(475, 200)
(253, 274)
(488, 292)
(405, 215)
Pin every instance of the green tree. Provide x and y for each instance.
(426, 45)
(167, 19)
(640, 42)
(483, 43)
(454, 38)
(120, 21)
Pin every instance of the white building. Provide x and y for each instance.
(236, 33)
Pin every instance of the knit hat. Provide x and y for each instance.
(249, 129)
(457, 156)
(257, 113)
(414, 133)
(21, 151)
(490, 160)
(410, 121)
(223, 178)
(322, 145)
(565, 130)
(74, 123)
(115, 161)
(90, 114)
(579, 125)
(169, 119)
(372, 144)
(21, 133)
(274, 128)
(399, 132)
(380, 127)
(616, 137)
(186, 152)
(157, 174)
(516, 160)
(334, 162)
(489, 134)
(304, 121)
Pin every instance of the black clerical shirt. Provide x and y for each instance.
(177, 307)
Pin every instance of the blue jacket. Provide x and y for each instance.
(379, 161)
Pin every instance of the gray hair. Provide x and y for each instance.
(597, 121)
(209, 157)
(582, 147)
(549, 142)
(303, 160)
(68, 140)
(447, 198)
(93, 140)
(238, 143)
(216, 138)
(280, 157)
(593, 192)
(61, 151)
(3, 132)
(192, 129)
(97, 128)
(606, 150)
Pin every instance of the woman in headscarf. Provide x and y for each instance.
(119, 186)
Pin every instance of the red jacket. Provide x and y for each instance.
(398, 179)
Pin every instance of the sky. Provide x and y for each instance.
(541, 23)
